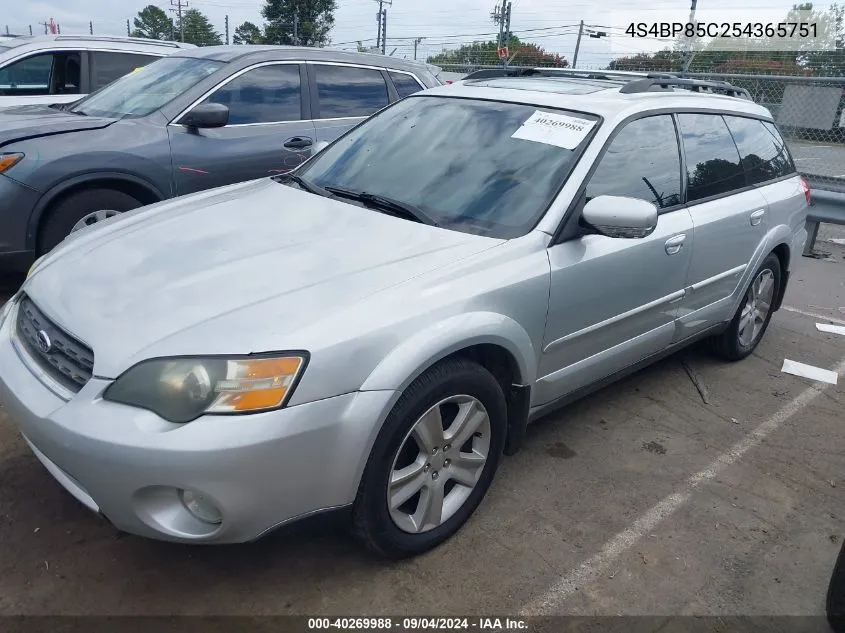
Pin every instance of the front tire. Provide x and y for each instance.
(433, 461)
(751, 319)
(78, 207)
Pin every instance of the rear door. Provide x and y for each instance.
(269, 130)
(730, 219)
(344, 95)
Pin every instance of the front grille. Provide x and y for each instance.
(61, 356)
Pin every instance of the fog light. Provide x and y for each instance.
(201, 507)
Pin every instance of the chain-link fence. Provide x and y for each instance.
(810, 112)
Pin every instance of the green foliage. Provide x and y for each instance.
(486, 53)
(198, 29)
(153, 23)
(316, 19)
(248, 33)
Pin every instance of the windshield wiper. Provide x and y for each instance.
(383, 203)
(308, 186)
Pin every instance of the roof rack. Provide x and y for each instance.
(106, 38)
(695, 85)
(634, 82)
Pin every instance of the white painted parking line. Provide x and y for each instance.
(809, 371)
(832, 329)
(551, 601)
(814, 315)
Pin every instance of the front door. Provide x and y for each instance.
(268, 132)
(613, 301)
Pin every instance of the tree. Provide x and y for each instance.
(198, 29)
(315, 20)
(153, 23)
(247, 33)
(485, 54)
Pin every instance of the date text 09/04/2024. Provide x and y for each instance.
(723, 29)
(418, 624)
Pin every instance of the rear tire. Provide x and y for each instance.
(73, 208)
(749, 324)
(456, 389)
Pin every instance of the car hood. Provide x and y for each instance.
(235, 270)
(18, 123)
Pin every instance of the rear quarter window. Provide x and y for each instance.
(764, 155)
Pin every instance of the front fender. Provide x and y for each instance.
(412, 357)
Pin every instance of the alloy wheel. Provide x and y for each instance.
(438, 464)
(93, 218)
(758, 304)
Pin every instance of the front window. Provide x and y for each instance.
(483, 167)
(147, 89)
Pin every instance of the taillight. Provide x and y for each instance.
(807, 193)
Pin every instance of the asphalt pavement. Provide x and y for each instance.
(640, 499)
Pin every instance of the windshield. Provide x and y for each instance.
(148, 88)
(477, 166)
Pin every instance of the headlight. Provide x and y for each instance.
(7, 161)
(183, 389)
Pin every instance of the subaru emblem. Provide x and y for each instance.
(44, 342)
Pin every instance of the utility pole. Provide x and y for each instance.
(227, 29)
(91, 28)
(578, 44)
(127, 29)
(417, 42)
(384, 32)
(296, 29)
(507, 41)
(30, 29)
(688, 48)
(46, 24)
(381, 19)
(7, 29)
(178, 10)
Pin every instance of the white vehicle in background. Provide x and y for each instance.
(50, 69)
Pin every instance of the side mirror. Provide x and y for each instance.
(206, 115)
(617, 216)
(319, 147)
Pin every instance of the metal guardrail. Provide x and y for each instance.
(826, 207)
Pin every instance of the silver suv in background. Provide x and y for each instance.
(64, 68)
(375, 329)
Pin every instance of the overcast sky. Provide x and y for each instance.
(552, 24)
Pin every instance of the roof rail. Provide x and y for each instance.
(635, 82)
(696, 85)
(561, 72)
(106, 38)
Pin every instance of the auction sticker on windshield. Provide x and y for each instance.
(560, 130)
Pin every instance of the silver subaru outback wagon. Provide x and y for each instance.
(374, 330)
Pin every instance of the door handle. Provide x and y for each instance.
(675, 244)
(298, 142)
(757, 217)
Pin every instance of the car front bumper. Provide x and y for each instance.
(260, 471)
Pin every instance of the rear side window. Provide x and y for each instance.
(713, 163)
(405, 85)
(267, 94)
(346, 91)
(763, 158)
(643, 162)
(106, 67)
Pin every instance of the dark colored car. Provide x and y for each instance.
(197, 119)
